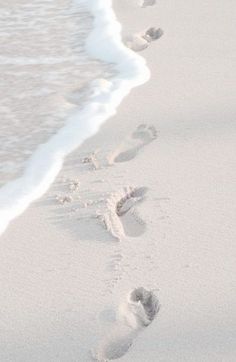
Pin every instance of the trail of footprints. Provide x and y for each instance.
(119, 215)
(121, 219)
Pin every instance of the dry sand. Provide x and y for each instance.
(148, 202)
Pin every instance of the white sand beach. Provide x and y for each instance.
(147, 202)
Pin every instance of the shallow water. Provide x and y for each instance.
(43, 68)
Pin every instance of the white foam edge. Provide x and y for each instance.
(104, 43)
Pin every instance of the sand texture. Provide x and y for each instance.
(142, 215)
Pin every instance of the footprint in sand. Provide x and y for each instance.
(141, 137)
(134, 315)
(121, 217)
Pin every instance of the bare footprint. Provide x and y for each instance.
(142, 136)
(121, 217)
(134, 315)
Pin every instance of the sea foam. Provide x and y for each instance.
(103, 43)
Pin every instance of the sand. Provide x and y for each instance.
(147, 202)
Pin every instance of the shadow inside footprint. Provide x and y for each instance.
(153, 34)
(127, 155)
(145, 3)
(141, 137)
(132, 223)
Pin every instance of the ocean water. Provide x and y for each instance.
(44, 72)
(65, 71)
